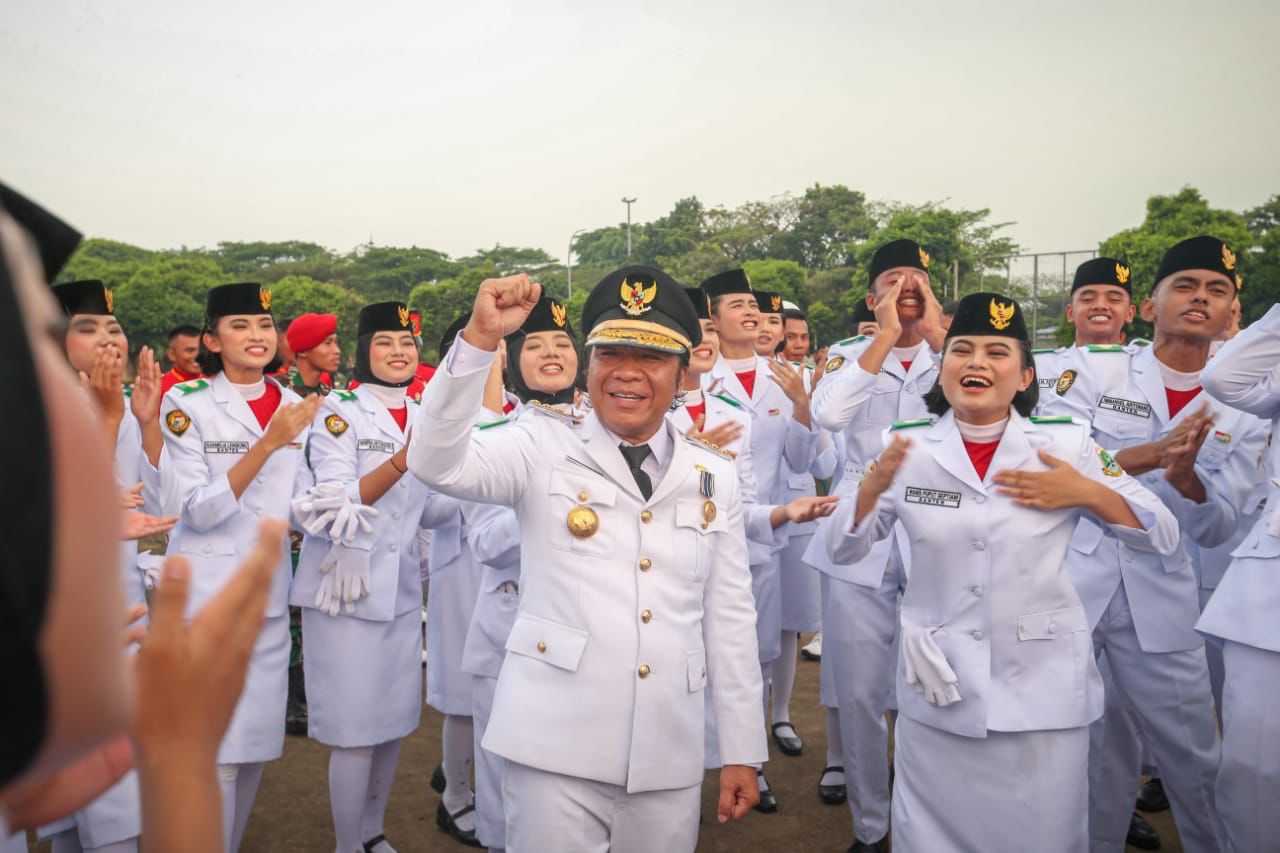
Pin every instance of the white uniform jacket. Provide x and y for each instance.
(762, 539)
(214, 432)
(1121, 392)
(859, 406)
(1246, 374)
(353, 434)
(991, 575)
(775, 433)
(621, 630)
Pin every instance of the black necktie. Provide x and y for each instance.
(634, 456)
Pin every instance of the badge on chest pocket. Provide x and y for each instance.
(584, 501)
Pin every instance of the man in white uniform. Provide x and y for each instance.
(635, 596)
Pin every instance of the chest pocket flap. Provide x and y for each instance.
(542, 639)
(693, 515)
(1122, 426)
(207, 544)
(573, 484)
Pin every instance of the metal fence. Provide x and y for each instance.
(1041, 281)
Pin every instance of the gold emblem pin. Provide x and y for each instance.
(582, 522)
(708, 513)
(404, 315)
(1001, 315)
(264, 297)
(636, 298)
(111, 300)
(1228, 257)
(1122, 274)
(558, 314)
(177, 421)
(1065, 382)
(775, 303)
(924, 258)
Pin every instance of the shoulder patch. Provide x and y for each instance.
(193, 386)
(1054, 419)
(834, 364)
(177, 422)
(492, 424)
(1110, 466)
(897, 425)
(1105, 347)
(1065, 381)
(723, 454)
(335, 424)
(345, 395)
(726, 398)
(552, 411)
(855, 339)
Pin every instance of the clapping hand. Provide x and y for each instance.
(144, 402)
(721, 436)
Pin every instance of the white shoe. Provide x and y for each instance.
(813, 649)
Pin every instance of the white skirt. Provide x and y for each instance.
(256, 732)
(801, 587)
(364, 679)
(992, 794)
(451, 599)
(766, 589)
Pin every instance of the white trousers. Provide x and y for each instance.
(491, 827)
(1249, 779)
(549, 811)
(859, 628)
(1168, 696)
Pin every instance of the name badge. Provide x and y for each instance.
(375, 444)
(226, 447)
(1046, 381)
(932, 497)
(1125, 407)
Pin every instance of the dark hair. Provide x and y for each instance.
(1024, 402)
(185, 330)
(793, 314)
(211, 362)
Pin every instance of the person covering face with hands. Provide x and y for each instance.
(996, 686)
(588, 716)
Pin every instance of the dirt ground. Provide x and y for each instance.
(292, 810)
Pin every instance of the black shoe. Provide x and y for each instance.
(833, 795)
(374, 842)
(437, 779)
(1151, 796)
(448, 822)
(881, 846)
(789, 745)
(1142, 834)
(768, 802)
(295, 714)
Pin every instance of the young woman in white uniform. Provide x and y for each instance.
(95, 339)
(236, 441)
(358, 580)
(996, 682)
(541, 367)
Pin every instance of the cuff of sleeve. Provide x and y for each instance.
(465, 358)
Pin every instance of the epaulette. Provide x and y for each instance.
(896, 425)
(723, 454)
(1043, 350)
(128, 391)
(1105, 347)
(855, 339)
(555, 412)
(344, 395)
(1052, 419)
(726, 398)
(193, 386)
(491, 424)
(1140, 342)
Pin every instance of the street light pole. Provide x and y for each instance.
(628, 202)
(569, 262)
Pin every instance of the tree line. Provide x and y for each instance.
(813, 248)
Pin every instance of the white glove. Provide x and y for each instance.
(350, 518)
(345, 579)
(927, 666)
(150, 565)
(319, 506)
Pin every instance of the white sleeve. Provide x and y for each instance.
(1245, 374)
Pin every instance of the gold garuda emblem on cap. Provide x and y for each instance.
(111, 300)
(404, 315)
(1239, 282)
(1122, 274)
(924, 258)
(1228, 257)
(264, 297)
(776, 303)
(636, 298)
(1001, 315)
(558, 314)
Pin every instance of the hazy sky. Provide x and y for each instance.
(459, 125)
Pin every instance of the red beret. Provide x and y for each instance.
(310, 330)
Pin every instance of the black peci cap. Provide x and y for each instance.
(641, 306)
(56, 241)
(1103, 271)
(227, 300)
(84, 297)
(384, 317)
(898, 253)
(446, 340)
(1199, 253)
(548, 315)
(988, 314)
(701, 302)
(733, 281)
(769, 302)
